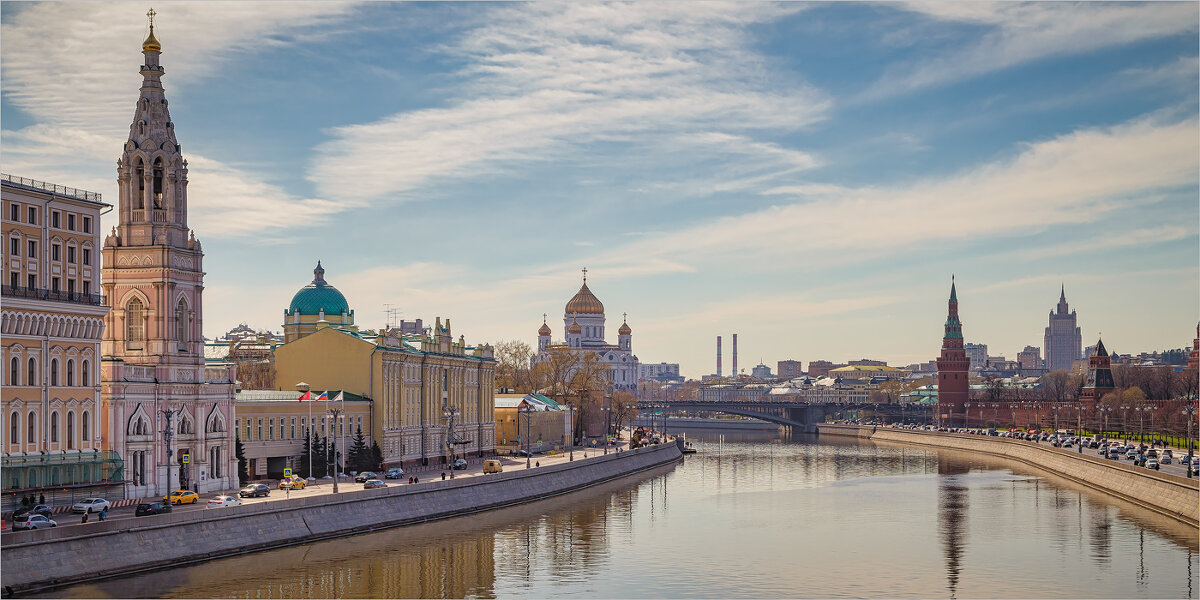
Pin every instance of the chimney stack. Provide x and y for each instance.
(735, 371)
(718, 356)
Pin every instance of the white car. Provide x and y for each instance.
(90, 505)
(1166, 459)
(223, 501)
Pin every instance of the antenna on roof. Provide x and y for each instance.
(391, 315)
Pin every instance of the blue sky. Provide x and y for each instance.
(805, 175)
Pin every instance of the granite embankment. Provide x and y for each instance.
(36, 560)
(1167, 493)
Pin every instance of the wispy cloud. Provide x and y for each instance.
(81, 108)
(1139, 237)
(1017, 33)
(545, 80)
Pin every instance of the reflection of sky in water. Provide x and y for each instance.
(749, 516)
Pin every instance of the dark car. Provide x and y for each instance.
(394, 473)
(364, 476)
(459, 465)
(37, 509)
(151, 508)
(255, 490)
(373, 483)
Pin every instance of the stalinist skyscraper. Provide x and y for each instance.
(168, 416)
(1063, 340)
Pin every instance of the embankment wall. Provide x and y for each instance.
(1167, 493)
(47, 558)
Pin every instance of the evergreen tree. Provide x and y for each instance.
(305, 454)
(320, 458)
(376, 456)
(240, 452)
(330, 456)
(359, 455)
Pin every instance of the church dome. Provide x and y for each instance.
(318, 296)
(624, 330)
(585, 302)
(151, 44)
(574, 328)
(544, 329)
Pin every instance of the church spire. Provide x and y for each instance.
(151, 44)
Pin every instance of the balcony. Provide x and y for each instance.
(56, 295)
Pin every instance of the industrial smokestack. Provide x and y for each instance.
(718, 356)
(735, 371)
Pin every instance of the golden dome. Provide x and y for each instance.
(624, 330)
(151, 44)
(544, 329)
(585, 303)
(574, 328)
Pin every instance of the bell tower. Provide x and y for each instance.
(152, 269)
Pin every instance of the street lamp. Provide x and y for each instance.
(449, 414)
(335, 412)
(1188, 412)
(528, 412)
(1124, 421)
(607, 420)
(1104, 410)
(966, 414)
(308, 431)
(168, 433)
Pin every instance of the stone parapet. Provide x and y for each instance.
(47, 558)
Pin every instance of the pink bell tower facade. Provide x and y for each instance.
(169, 416)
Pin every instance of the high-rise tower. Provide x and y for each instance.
(952, 366)
(1064, 344)
(172, 427)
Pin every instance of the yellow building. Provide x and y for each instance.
(867, 372)
(273, 424)
(417, 384)
(547, 425)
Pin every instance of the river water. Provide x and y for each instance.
(753, 515)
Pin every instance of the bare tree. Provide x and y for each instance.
(513, 366)
(624, 409)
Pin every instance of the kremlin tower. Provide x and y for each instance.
(952, 367)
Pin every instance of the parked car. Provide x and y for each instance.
(223, 501)
(90, 505)
(373, 483)
(32, 521)
(459, 464)
(37, 509)
(182, 497)
(151, 508)
(296, 483)
(394, 473)
(364, 476)
(255, 490)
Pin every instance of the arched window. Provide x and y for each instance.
(135, 323)
(54, 427)
(12, 372)
(31, 437)
(14, 428)
(158, 183)
(70, 430)
(31, 376)
(70, 372)
(181, 323)
(85, 377)
(140, 173)
(53, 372)
(85, 422)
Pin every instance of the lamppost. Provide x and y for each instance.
(1056, 407)
(308, 431)
(966, 414)
(449, 414)
(169, 433)
(1079, 425)
(528, 412)
(1124, 421)
(995, 417)
(1104, 410)
(1188, 412)
(607, 420)
(1142, 423)
(335, 412)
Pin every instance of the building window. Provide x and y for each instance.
(54, 427)
(181, 324)
(87, 224)
(71, 430)
(87, 257)
(54, 372)
(33, 215)
(293, 432)
(247, 428)
(71, 254)
(87, 287)
(14, 428)
(85, 422)
(71, 222)
(54, 219)
(32, 283)
(135, 325)
(260, 433)
(31, 427)
(85, 378)
(14, 212)
(32, 248)
(12, 372)
(271, 430)
(31, 375)
(54, 284)
(70, 372)
(14, 246)
(304, 426)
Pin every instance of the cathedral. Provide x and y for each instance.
(165, 413)
(583, 325)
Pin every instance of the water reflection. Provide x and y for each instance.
(751, 515)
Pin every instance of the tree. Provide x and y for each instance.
(376, 456)
(305, 454)
(358, 457)
(240, 452)
(624, 409)
(320, 456)
(513, 358)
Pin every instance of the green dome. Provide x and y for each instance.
(318, 296)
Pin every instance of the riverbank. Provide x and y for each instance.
(39, 560)
(676, 423)
(1169, 494)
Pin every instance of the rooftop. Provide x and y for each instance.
(53, 188)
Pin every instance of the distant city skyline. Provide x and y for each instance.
(805, 176)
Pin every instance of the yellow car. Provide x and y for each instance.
(296, 483)
(181, 497)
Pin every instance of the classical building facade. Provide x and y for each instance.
(583, 325)
(952, 366)
(50, 327)
(420, 385)
(272, 426)
(165, 412)
(1064, 344)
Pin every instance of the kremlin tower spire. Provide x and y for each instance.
(952, 365)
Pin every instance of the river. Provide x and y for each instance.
(753, 515)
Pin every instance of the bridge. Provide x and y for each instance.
(801, 416)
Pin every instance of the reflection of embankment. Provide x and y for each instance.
(453, 558)
(1178, 532)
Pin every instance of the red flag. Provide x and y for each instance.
(305, 396)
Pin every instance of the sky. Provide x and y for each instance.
(808, 176)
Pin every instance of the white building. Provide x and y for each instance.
(583, 325)
(659, 372)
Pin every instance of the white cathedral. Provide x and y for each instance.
(583, 322)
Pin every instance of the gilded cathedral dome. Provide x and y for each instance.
(585, 303)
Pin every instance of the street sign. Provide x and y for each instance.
(593, 442)
(287, 472)
(539, 443)
(187, 458)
